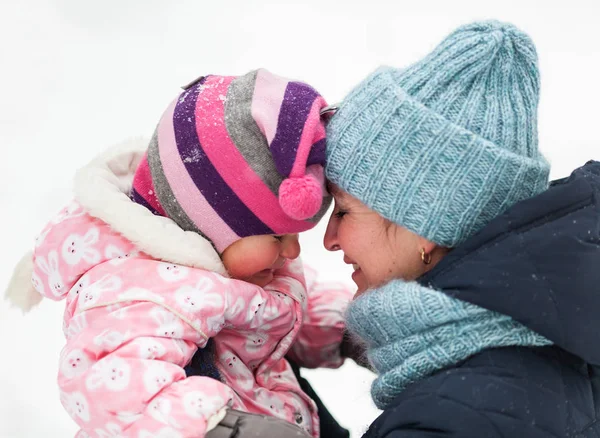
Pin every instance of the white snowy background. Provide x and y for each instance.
(79, 75)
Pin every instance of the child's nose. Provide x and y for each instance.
(290, 246)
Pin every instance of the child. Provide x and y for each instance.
(192, 238)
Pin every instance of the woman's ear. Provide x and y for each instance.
(428, 246)
(431, 253)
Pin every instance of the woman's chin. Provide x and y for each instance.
(359, 280)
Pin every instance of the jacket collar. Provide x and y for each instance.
(539, 263)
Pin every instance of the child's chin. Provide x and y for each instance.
(261, 278)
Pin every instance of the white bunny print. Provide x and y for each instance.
(50, 268)
(236, 369)
(283, 297)
(111, 338)
(112, 430)
(156, 377)
(172, 273)
(116, 255)
(77, 248)
(201, 296)
(71, 211)
(170, 325)
(160, 409)
(112, 373)
(150, 348)
(91, 294)
(256, 341)
(75, 326)
(255, 311)
(215, 323)
(76, 405)
(273, 403)
(126, 417)
(74, 363)
(232, 312)
(83, 282)
(118, 310)
(198, 404)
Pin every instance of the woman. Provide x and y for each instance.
(477, 281)
(477, 284)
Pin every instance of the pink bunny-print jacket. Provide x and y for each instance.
(136, 313)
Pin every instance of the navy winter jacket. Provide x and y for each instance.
(539, 262)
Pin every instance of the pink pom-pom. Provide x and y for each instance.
(301, 198)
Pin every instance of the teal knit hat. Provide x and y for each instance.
(444, 146)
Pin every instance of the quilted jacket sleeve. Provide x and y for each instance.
(127, 379)
(320, 339)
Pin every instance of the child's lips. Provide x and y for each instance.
(264, 272)
(278, 264)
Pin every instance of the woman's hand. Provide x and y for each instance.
(238, 424)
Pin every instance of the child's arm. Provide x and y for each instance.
(126, 376)
(320, 339)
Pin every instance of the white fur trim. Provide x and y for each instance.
(20, 291)
(102, 189)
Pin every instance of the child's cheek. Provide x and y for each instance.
(253, 260)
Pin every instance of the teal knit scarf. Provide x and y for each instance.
(412, 331)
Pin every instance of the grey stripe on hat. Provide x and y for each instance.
(245, 133)
(324, 207)
(165, 195)
(248, 138)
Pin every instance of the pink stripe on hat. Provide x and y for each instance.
(309, 137)
(142, 182)
(266, 102)
(187, 194)
(229, 162)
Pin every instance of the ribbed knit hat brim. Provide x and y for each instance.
(418, 169)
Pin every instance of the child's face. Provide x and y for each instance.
(254, 258)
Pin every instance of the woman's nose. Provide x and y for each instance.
(290, 246)
(330, 239)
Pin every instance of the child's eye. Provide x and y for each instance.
(280, 238)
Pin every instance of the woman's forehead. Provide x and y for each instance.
(335, 190)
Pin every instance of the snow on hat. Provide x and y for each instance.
(238, 156)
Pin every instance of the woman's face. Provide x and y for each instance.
(378, 249)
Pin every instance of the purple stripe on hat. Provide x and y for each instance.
(317, 153)
(206, 178)
(296, 105)
(139, 199)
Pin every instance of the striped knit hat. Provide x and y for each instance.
(238, 156)
(447, 144)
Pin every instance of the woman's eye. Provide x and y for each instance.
(340, 214)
